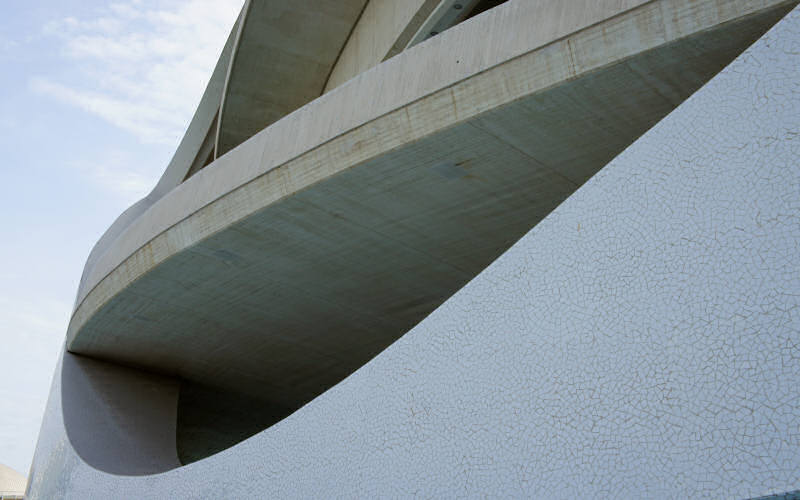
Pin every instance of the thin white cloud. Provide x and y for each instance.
(143, 65)
(150, 123)
(36, 319)
(7, 45)
(118, 172)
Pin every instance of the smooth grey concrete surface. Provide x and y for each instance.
(642, 341)
(183, 161)
(461, 52)
(282, 302)
(383, 30)
(285, 53)
(119, 420)
(287, 50)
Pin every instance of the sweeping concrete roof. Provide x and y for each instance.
(338, 227)
(284, 54)
(277, 57)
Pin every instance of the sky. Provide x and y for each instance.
(94, 98)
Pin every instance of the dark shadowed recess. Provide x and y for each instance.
(131, 422)
(210, 420)
(790, 495)
(483, 6)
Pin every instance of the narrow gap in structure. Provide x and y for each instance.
(458, 12)
(206, 153)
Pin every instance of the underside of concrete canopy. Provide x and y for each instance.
(339, 227)
(277, 58)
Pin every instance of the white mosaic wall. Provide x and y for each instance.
(642, 341)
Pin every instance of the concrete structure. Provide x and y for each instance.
(12, 484)
(641, 340)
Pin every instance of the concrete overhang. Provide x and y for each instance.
(340, 226)
(277, 58)
(201, 127)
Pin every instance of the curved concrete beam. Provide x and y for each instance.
(466, 50)
(270, 65)
(191, 145)
(285, 52)
(330, 256)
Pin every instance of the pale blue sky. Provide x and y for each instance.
(94, 97)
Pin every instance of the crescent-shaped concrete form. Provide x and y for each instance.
(354, 164)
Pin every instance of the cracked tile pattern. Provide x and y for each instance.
(643, 341)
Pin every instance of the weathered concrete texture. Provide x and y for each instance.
(276, 61)
(284, 54)
(461, 52)
(183, 162)
(642, 341)
(383, 30)
(285, 287)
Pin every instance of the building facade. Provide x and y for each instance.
(525, 248)
(12, 484)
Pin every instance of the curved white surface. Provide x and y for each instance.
(642, 341)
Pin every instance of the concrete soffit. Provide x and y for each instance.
(338, 226)
(456, 57)
(238, 81)
(427, 90)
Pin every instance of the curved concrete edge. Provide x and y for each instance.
(211, 108)
(320, 282)
(237, 40)
(461, 52)
(178, 167)
(246, 180)
(382, 31)
(640, 342)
